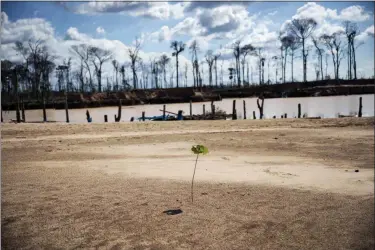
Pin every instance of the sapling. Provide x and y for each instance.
(197, 149)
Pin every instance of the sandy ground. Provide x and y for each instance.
(272, 184)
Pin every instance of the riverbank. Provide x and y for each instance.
(269, 184)
(56, 100)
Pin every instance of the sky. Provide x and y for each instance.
(215, 25)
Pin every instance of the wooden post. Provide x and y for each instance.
(44, 110)
(360, 107)
(299, 110)
(164, 112)
(274, 117)
(191, 109)
(260, 106)
(254, 116)
(213, 111)
(285, 115)
(244, 110)
(143, 115)
(105, 118)
(204, 110)
(234, 111)
(282, 116)
(118, 117)
(132, 119)
(23, 110)
(66, 108)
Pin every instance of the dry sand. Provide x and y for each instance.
(272, 184)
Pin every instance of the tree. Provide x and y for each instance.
(178, 47)
(99, 57)
(351, 31)
(185, 73)
(83, 53)
(134, 58)
(261, 59)
(276, 59)
(116, 66)
(164, 60)
(210, 59)
(333, 43)
(286, 42)
(216, 57)
(247, 49)
(319, 52)
(302, 28)
(294, 45)
(237, 52)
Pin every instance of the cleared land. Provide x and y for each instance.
(271, 184)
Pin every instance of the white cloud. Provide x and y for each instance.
(319, 13)
(370, 30)
(158, 10)
(327, 28)
(353, 13)
(314, 11)
(363, 36)
(100, 30)
(222, 22)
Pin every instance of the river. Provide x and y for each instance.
(325, 107)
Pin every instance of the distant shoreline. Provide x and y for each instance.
(207, 94)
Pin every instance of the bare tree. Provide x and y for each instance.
(164, 60)
(134, 58)
(210, 59)
(185, 73)
(319, 52)
(237, 52)
(194, 49)
(216, 57)
(116, 66)
(99, 57)
(351, 31)
(261, 59)
(333, 43)
(286, 42)
(276, 59)
(246, 50)
(302, 28)
(178, 47)
(83, 53)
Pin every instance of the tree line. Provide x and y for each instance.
(33, 75)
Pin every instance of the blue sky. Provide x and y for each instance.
(217, 26)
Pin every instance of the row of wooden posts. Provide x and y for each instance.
(20, 111)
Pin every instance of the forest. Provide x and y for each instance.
(33, 78)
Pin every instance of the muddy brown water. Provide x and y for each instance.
(325, 107)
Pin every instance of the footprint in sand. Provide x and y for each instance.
(225, 158)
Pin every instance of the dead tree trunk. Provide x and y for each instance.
(118, 117)
(23, 110)
(244, 110)
(66, 109)
(260, 106)
(234, 111)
